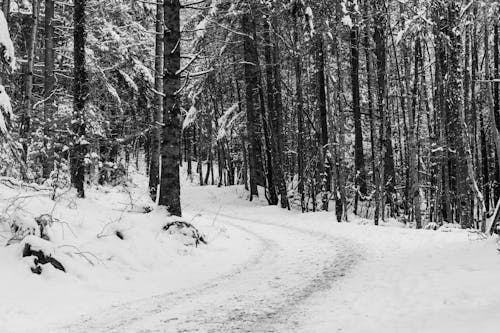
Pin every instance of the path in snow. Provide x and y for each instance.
(260, 296)
(397, 279)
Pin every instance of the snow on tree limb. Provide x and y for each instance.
(227, 121)
(6, 110)
(6, 45)
(192, 114)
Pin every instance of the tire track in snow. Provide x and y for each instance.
(118, 317)
(281, 316)
(262, 295)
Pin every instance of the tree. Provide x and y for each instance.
(254, 123)
(380, 53)
(359, 158)
(154, 167)
(48, 86)
(171, 135)
(80, 96)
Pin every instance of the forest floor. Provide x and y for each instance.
(264, 270)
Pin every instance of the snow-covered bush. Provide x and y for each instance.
(41, 252)
(22, 228)
(448, 227)
(185, 233)
(112, 173)
(431, 226)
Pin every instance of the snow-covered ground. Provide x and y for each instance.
(264, 270)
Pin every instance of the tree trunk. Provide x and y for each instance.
(324, 163)
(49, 86)
(359, 158)
(154, 167)
(170, 148)
(369, 83)
(6, 9)
(496, 98)
(300, 112)
(277, 121)
(413, 167)
(254, 125)
(80, 95)
(380, 53)
(275, 110)
(29, 99)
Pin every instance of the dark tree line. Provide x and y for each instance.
(383, 109)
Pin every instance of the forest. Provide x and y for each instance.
(380, 108)
(249, 166)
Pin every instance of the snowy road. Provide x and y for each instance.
(266, 270)
(262, 295)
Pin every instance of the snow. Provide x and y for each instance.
(192, 114)
(201, 27)
(140, 68)
(264, 269)
(114, 93)
(6, 43)
(5, 110)
(346, 20)
(227, 121)
(310, 19)
(130, 82)
(190, 117)
(102, 269)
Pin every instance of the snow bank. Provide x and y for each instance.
(111, 250)
(407, 281)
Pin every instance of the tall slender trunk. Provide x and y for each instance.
(490, 102)
(496, 98)
(278, 132)
(366, 44)
(380, 53)
(359, 158)
(28, 93)
(476, 105)
(6, 9)
(254, 125)
(271, 195)
(171, 137)
(189, 152)
(300, 112)
(324, 163)
(413, 134)
(154, 167)
(80, 96)
(275, 110)
(49, 86)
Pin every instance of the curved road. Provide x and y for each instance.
(263, 295)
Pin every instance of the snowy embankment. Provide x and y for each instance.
(264, 269)
(102, 269)
(406, 281)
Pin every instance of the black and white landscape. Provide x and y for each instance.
(249, 166)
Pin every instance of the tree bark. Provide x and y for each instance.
(324, 163)
(359, 158)
(49, 86)
(28, 93)
(254, 124)
(170, 148)
(299, 110)
(414, 178)
(380, 53)
(154, 167)
(6, 9)
(80, 96)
